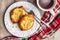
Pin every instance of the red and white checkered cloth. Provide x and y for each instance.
(54, 25)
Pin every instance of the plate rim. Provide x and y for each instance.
(8, 8)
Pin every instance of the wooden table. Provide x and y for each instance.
(3, 6)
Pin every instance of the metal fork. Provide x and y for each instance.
(35, 17)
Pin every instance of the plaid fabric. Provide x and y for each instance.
(46, 16)
(56, 22)
(58, 1)
(11, 38)
(44, 32)
(33, 37)
(54, 25)
(55, 9)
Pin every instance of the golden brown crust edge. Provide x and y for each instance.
(20, 21)
(11, 13)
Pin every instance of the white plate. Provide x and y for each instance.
(13, 28)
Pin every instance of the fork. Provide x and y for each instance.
(35, 17)
(38, 20)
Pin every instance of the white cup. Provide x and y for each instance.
(48, 9)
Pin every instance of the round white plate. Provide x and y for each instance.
(14, 28)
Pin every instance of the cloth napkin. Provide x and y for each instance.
(54, 26)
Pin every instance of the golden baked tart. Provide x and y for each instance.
(17, 13)
(26, 22)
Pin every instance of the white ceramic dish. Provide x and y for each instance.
(13, 28)
(55, 2)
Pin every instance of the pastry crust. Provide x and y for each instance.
(26, 22)
(17, 13)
